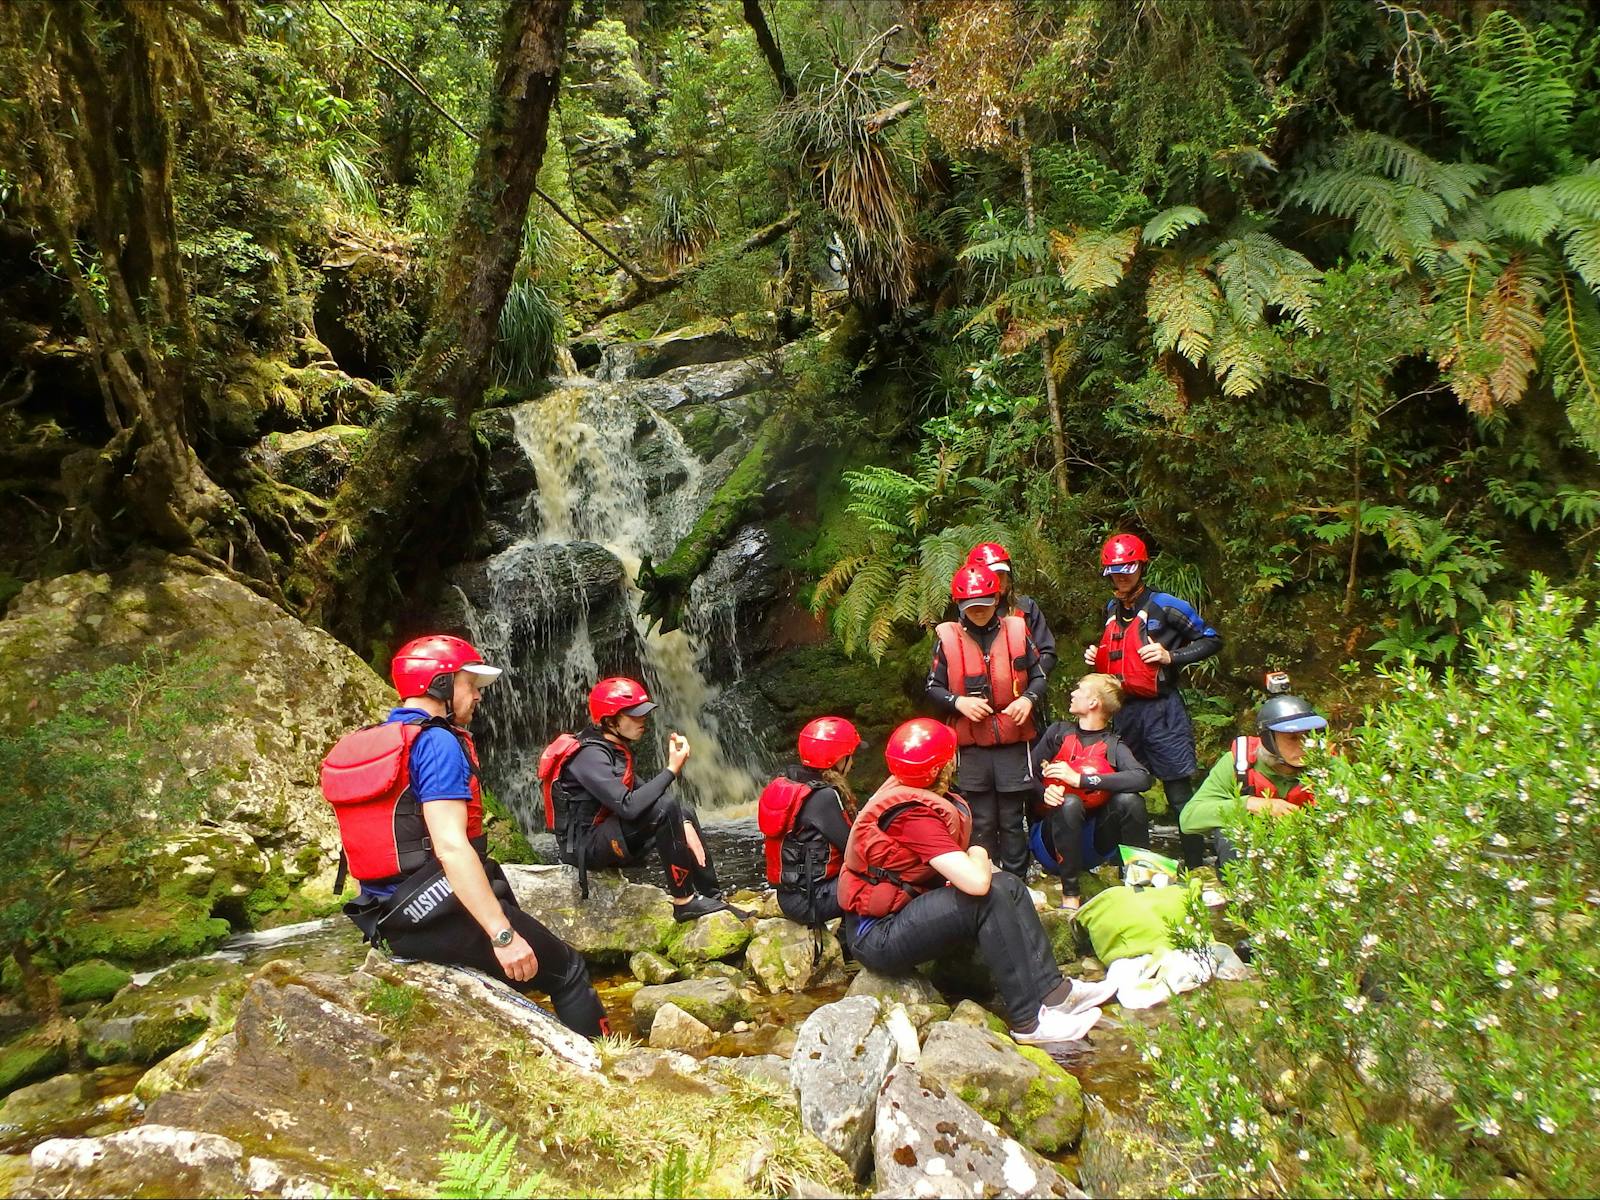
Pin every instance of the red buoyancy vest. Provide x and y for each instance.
(880, 876)
(1005, 667)
(1253, 783)
(366, 777)
(551, 761)
(776, 812)
(1092, 759)
(1118, 654)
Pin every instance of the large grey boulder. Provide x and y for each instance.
(842, 1055)
(49, 1103)
(706, 939)
(158, 1160)
(714, 1002)
(785, 956)
(1020, 1088)
(618, 919)
(923, 1002)
(929, 1143)
(295, 688)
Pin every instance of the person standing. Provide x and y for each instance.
(1149, 637)
(410, 812)
(995, 556)
(987, 681)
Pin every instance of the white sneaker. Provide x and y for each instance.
(1057, 1026)
(1086, 995)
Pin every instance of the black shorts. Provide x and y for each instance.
(1160, 735)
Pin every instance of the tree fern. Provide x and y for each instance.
(1529, 214)
(1181, 302)
(1513, 320)
(1093, 259)
(1242, 358)
(484, 1164)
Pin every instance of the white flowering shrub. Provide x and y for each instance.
(1428, 1019)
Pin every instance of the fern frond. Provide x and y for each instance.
(1181, 302)
(1572, 356)
(1453, 184)
(1579, 195)
(1580, 243)
(833, 582)
(1241, 357)
(1529, 213)
(871, 585)
(1166, 225)
(1093, 259)
(483, 1165)
(1513, 320)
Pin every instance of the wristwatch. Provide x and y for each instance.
(504, 937)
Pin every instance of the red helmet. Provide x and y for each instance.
(826, 740)
(619, 694)
(918, 750)
(989, 554)
(1122, 554)
(418, 665)
(974, 582)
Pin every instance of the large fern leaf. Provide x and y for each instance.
(1513, 327)
(1091, 260)
(1580, 242)
(484, 1162)
(1242, 357)
(1529, 214)
(1181, 301)
(1165, 226)
(1572, 355)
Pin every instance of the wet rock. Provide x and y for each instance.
(653, 356)
(94, 979)
(1121, 1156)
(28, 1059)
(670, 1068)
(714, 936)
(715, 1002)
(970, 1012)
(49, 1103)
(618, 919)
(313, 460)
(159, 1160)
(1020, 1088)
(673, 1029)
(211, 1048)
(923, 1002)
(719, 970)
(144, 1024)
(842, 1055)
(649, 967)
(929, 1143)
(785, 956)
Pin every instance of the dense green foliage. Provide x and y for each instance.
(1425, 941)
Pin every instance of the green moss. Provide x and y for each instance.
(710, 937)
(144, 935)
(1050, 1115)
(395, 1002)
(507, 842)
(93, 979)
(28, 1061)
(707, 431)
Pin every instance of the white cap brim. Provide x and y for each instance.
(483, 672)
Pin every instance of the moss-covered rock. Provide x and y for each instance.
(716, 1002)
(970, 1012)
(28, 1059)
(785, 956)
(51, 1102)
(1020, 1088)
(648, 967)
(618, 919)
(716, 935)
(145, 1024)
(923, 1001)
(93, 979)
(145, 935)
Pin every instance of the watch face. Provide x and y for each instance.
(503, 938)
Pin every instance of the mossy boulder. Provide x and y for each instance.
(714, 936)
(715, 1002)
(923, 1002)
(785, 956)
(93, 979)
(618, 919)
(145, 1024)
(51, 1102)
(29, 1058)
(970, 1012)
(313, 460)
(1020, 1088)
(648, 967)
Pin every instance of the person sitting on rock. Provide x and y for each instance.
(1087, 777)
(611, 818)
(410, 811)
(805, 816)
(986, 678)
(1257, 774)
(917, 889)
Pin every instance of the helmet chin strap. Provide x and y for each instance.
(443, 689)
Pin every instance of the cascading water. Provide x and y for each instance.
(559, 606)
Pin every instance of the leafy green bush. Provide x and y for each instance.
(1429, 1020)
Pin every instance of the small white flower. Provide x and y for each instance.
(1551, 991)
(1500, 840)
(1489, 1127)
(1410, 817)
(1516, 885)
(1356, 1004)
(1519, 1095)
(1303, 1155)
(1504, 966)
(1546, 1124)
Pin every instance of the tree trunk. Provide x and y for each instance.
(757, 20)
(44, 998)
(1058, 429)
(411, 490)
(101, 155)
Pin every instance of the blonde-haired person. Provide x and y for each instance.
(1087, 777)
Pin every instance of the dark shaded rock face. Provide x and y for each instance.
(655, 356)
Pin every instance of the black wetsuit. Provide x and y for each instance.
(819, 827)
(1120, 820)
(996, 781)
(611, 825)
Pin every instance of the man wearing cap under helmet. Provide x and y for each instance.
(1258, 774)
(410, 811)
(998, 559)
(1148, 638)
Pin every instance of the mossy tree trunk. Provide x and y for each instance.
(93, 144)
(409, 499)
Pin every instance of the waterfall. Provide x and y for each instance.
(559, 606)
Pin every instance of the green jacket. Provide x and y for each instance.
(1218, 800)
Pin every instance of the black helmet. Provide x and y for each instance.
(1286, 714)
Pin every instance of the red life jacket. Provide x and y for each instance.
(1091, 759)
(1253, 783)
(366, 777)
(551, 762)
(1118, 654)
(1003, 669)
(880, 876)
(776, 812)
